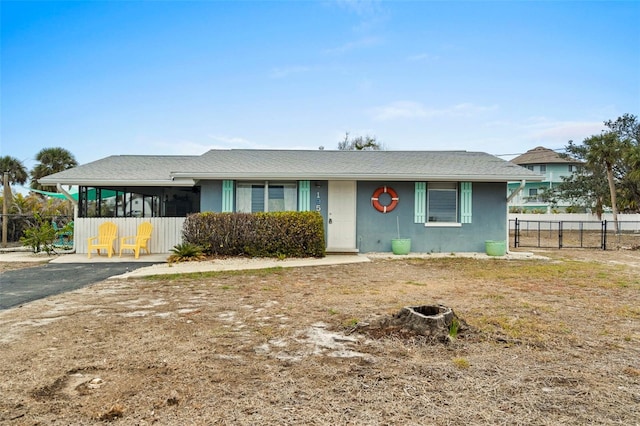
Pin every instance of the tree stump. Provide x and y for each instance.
(427, 320)
(436, 322)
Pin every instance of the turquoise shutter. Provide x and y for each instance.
(465, 202)
(304, 196)
(420, 202)
(227, 196)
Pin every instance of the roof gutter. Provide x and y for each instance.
(126, 183)
(517, 191)
(333, 176)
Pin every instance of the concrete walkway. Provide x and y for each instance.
(241, 263)
(161, 267)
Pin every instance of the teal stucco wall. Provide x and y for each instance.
(375, 230)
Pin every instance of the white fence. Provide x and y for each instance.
(167, 231)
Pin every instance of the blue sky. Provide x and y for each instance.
(178, 77)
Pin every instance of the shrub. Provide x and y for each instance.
(278, 234)
(40, 237)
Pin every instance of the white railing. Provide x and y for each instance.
(167, 231)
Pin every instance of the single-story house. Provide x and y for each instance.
(444, 201)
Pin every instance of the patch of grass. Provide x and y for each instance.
(453, 328)
(218, 331)
(521, 327)
(627, 311)
(536, 307)
(267, 331)
(627, 282)
(631, 371)
(333, 311)
(542, 275)
(216, 274)
(416, 283)
(461, 363)
(351, 322)
(493, 296)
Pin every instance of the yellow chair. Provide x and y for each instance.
(107, 235)
(138, 242)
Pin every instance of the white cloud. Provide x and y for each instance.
(421, 57)
(541, 131)
(282, 72)
(360, 7)
(401, 109)
(182, 147)
(565, 130)
(234, 142)
(410, 110)
(361, 43)
(365, 84)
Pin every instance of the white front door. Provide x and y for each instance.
(341, 228)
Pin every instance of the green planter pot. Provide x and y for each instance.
(495, 248)
(401, 246)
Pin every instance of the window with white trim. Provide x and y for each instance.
(442, 202)
(252, 197)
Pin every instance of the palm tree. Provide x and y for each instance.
(627, 127)
(51, 160)
(605, 149)
(17, 172)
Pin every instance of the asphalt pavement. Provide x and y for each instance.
(21, 286)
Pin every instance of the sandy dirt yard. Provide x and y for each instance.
(550, 342)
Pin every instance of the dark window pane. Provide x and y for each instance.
(257, 198)
(442, 206)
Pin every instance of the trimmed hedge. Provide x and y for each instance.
(278, 234)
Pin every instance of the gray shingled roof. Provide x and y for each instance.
(542, 155)
(119, 170)
(295, 165)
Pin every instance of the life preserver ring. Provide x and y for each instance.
(375, 199)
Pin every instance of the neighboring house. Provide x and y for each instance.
(547, 163)
(447, 201)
